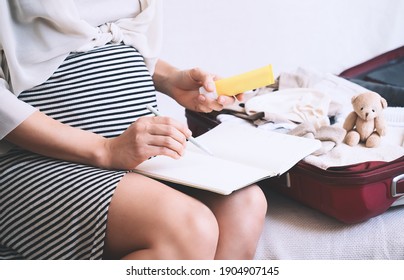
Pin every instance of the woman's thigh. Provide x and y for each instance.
(144, 211)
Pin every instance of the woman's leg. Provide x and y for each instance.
(241, 217)
(149, 220)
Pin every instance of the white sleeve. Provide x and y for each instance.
(12, 110)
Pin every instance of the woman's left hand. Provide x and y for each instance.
(183, 86)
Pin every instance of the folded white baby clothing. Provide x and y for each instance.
(339, 89)
(330, 136)
(298, 105)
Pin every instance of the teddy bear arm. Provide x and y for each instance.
(350, 121)
(380, 126)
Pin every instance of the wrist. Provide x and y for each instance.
(101, 156)
(163, 77)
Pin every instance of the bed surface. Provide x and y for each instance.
(293, 231)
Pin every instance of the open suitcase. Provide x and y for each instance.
(353, 193)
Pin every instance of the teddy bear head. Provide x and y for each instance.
(368, 105)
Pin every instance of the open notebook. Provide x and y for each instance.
(242, 155)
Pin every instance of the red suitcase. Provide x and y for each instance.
(353, 193)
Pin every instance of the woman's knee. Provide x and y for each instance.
(195, 233)
(251, 219)
(252, 208)
(254, 201)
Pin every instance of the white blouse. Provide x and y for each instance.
(37, 35)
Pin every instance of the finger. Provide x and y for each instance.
(170, 127)
(161, 137)
(165, 145)
(163, 140)
(204, 78)
(229, 100)
(162, 151)
(225, 100)
(240, 97)
(207, 104)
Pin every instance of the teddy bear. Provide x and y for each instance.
(365, 124)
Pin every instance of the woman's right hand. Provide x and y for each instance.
(145, 138)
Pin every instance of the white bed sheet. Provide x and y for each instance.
(293, 231)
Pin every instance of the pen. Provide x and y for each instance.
(190, 139)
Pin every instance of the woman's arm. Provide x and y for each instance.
(46, 136)
(147, 137)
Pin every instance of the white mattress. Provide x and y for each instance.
(295, 232)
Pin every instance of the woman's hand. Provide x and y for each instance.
(183, 86)
(145, 138)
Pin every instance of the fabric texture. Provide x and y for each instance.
(52, 209)
(299, 105)
(293, 231)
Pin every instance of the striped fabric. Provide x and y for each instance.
(102, 91)
(52, 209)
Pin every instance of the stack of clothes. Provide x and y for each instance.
(310, 104)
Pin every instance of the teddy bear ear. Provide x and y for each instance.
(353, 98)
(383, 102)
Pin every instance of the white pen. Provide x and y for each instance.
(190, 139)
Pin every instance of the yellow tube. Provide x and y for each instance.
(244, 82)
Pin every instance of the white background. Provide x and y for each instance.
(228, 37)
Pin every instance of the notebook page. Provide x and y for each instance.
(202, 171)
(272, 151)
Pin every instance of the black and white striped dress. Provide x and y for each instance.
(53, 209)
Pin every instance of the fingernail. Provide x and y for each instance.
(211, 86)
(221, 100)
